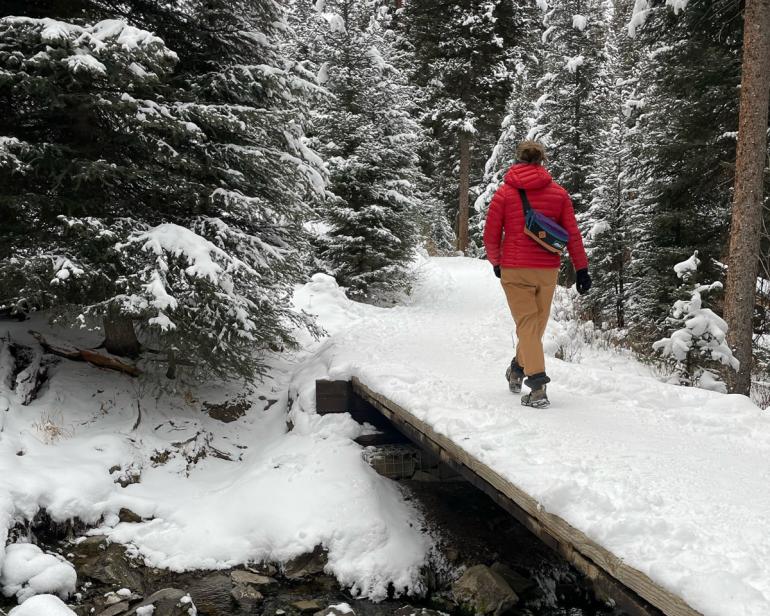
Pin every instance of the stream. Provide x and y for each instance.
(469, 530)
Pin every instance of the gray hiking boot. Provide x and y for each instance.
(514, 374)
(537, 397)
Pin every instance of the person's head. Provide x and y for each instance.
(531, 152)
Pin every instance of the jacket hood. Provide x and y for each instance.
(528, 176)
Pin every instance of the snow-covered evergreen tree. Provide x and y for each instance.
(568, 114)
(366, 134)
(520, 116)
(613, 215)
(684, 143)
(465, 52)
(157, 185)
(697, 346)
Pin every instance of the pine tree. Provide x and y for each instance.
(519, 120)
(613, 215)
(163, 188)
(568, 119)
(365, 132)
(683, 144)
(697, 345)
(463, 52)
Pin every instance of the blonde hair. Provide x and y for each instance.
(531, 152)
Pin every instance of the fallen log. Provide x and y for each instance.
(74, 353)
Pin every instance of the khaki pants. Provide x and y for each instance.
(529, 292)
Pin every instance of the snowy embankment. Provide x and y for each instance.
(673, 480)
(212, 494)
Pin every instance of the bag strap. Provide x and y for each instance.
(524, 200)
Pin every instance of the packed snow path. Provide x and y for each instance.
(672, 480)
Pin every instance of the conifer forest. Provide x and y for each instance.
(206, 206)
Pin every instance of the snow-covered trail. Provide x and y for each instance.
(673, 480)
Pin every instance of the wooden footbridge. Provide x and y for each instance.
(612, 580)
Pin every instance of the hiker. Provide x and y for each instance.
(530, 221)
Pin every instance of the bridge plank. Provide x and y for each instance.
(609, 575)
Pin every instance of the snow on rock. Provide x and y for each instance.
(42, 605)
(28, 571)
(310, 487)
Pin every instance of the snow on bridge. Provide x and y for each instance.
(664, 488)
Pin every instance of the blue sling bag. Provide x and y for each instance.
(546, 232)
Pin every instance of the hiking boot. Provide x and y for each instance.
(514, 374)
(536, 398)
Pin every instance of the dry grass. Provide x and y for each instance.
(51, 428)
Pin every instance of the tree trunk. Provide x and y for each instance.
(746, 223)
(171, 370)
(119, 335)
(465, 184)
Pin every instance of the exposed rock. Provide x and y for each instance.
(260, 582)
(408, 610)
(107, 563)
(517, 582)
(452, 555)
(306, 564)
(443, 603)
(126, 515)
(227, 411)
(484, 591)
(106, 603)
(243, 594)
(167, 602)
(307, 607)
(269, 569)
(325, 583)
(115, 609)
(210, 591)
(341, 609)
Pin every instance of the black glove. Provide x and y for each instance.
(583, 281)
(497, 270)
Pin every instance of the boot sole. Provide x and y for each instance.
(536, 404)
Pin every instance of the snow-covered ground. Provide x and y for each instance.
(673, 480)
(214, 495)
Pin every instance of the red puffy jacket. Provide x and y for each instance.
(504, 237)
